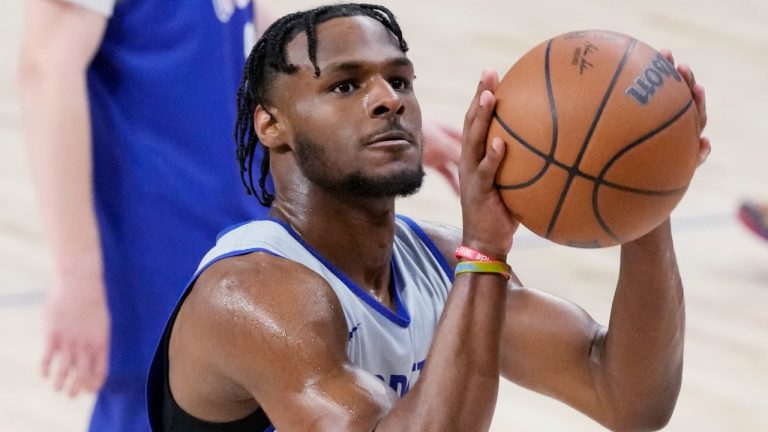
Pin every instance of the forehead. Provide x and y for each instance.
(358, 38)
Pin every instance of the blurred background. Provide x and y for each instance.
(724, 267)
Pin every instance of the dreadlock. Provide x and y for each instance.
(268, 58)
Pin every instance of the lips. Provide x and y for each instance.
(391, 137)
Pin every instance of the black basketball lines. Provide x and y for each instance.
(574, 171)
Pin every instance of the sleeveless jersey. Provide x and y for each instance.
(392, 345)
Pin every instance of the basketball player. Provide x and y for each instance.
(336, 314)
(128, 108)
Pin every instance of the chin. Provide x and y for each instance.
(399, 183)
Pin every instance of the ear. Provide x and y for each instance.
(268, 127)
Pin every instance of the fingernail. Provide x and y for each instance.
(497, 144)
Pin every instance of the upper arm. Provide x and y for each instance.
(549, 344)
(278, 331)
(60, 34)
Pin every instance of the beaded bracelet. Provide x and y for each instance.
(484, 267)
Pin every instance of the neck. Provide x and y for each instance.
(354, 234)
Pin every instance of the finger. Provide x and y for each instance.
(95, 371)
(80, 372)
(687, 74)
(486, 170)
(451, 175)
(66, 361)
(50, 349)
(489, 80)
(471, 112)
(700, 98)
(100, 365)
(447, 141)
(705, 148)
(478, 130)
(667, 54)
(452, 132)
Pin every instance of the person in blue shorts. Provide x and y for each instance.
(128, 112)
(337, 314)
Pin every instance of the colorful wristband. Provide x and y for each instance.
(471, 254)
(484, 267)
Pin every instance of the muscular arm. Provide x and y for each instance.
(626, 376)
(277, 332)
(59, 41)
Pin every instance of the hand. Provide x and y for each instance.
(699, 98)
(77, 334)
(442, 151)
(488, 225)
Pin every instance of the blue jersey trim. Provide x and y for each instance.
(430, 245)
(400, 316)
(270, 428)
(229, 255)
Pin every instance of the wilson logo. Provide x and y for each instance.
(651, 79)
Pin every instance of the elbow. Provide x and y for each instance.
(642, 421)
(651, 414)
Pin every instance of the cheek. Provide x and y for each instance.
(330, 124)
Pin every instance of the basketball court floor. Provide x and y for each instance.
(724, 268)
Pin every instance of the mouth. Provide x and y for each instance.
(391, 139)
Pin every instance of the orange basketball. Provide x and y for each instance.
(602, 138)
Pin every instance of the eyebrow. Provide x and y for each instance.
(353, 66)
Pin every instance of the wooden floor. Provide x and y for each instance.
(724, 268)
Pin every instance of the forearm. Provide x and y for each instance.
(57, 129)
(642, 353)
(459, 384)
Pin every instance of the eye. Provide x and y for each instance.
(343, 87)
(399, 83)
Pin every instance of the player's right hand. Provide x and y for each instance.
(488, 224)
(77, 334)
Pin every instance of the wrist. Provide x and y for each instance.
(656, 239)
(488, 249)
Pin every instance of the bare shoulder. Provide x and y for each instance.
(264, 290)
(254, 312)
(263, 331)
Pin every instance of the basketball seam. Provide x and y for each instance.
(599, 181)
(565, 167)
(575, 169)
(548, 159)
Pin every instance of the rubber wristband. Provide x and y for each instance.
(497, 267)
(471, 254)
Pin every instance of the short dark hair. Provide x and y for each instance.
(268, 58)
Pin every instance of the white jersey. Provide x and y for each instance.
(392, 345)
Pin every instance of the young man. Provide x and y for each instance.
(128, 108)
(336, 314)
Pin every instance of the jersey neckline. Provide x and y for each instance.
(399, 316)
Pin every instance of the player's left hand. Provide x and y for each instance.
(699, 98)
(442, 151)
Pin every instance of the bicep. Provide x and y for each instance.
(288, 350)
(551, 346)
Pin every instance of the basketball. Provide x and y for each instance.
(602, 138)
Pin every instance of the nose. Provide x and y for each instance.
(383, 100)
